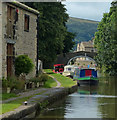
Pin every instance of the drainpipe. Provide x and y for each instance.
(37, 45)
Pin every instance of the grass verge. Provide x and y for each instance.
(65, 81)
(6, 107)
(50, 83)
(6, 96)
(10, 106)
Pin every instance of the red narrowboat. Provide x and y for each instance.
(58, 68)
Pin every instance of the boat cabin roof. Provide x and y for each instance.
(58, 65)
(88, 72)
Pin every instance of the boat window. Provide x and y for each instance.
(69, 69)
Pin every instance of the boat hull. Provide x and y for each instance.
(87, 81)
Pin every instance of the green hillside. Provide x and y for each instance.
(84, 29)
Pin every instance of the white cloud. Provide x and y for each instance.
(88, 0)
(87, 10)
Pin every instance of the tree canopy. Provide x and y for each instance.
(53, 35)
(106, 42)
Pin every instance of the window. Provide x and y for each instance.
(26, 23)
(69, 69)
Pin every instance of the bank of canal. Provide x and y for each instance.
(37, 103)
(88, 102)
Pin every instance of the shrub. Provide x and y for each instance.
(43, 77)
(35, 80)
(4, 83)
(21, 84)
(13, 82)
(23, 64)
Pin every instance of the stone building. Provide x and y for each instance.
(0, 39)
(18, 36)
(86, 46)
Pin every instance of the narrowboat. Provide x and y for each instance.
(87, 76)
(58, 68)
(69, 70)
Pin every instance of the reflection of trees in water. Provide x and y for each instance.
(107, 87)
(107, 104)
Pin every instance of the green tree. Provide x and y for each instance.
(68, 42)
(52, 30)
(106, 42)
(23, 64)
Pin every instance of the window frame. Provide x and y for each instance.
(26, 22)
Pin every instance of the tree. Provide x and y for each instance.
(106, 42)
(68, 42)
(52, 31)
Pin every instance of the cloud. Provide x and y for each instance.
(87, 10)
(88, 0)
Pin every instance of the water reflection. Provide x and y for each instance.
(107, 105)
(88, 102)
(88, 89)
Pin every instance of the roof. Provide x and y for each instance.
(58, 64)
(25, 7)
(70, 66)
(88, 44)
(88, 69)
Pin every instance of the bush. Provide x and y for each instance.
(35, 80)
(43, 77)
(23, 64)
(4, 83)
(13, 82)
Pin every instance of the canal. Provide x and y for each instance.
(99, 101)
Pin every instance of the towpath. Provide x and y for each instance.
(58, 83)
(33, 92)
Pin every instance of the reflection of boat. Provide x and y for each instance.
(69, 70)
(88, 76)
(88, 89)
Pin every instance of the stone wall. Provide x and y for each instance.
(0, 39)
(24, 42)
(38, 103)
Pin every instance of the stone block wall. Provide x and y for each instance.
(24, 42)
(0, 39)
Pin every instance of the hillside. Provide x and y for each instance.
(84, 29)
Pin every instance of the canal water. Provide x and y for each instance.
(99, 101)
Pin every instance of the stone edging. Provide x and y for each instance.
(37, 103)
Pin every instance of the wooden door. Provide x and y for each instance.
(10, 57)
(10, 21)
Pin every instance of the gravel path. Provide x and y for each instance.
(26, 94)
(33, 92)
(58, 83)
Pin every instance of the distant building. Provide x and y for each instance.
(86, 46)
(18, 36)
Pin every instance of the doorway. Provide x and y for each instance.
(10, 59)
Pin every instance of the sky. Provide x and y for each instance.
(87, 10)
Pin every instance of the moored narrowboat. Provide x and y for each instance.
(87, 76)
